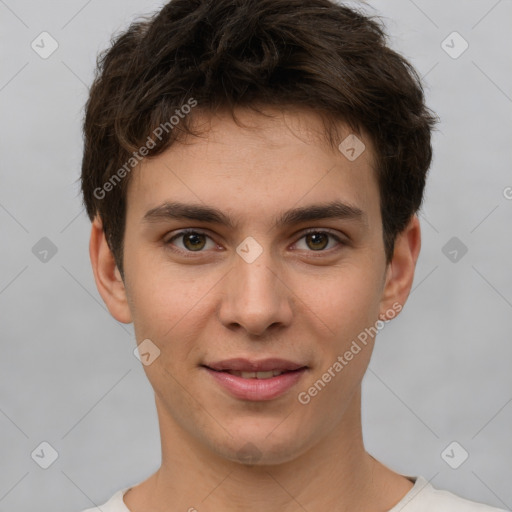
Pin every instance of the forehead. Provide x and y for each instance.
(258, 164)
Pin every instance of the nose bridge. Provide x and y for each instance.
(254, 297)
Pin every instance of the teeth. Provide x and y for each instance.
(256, 375)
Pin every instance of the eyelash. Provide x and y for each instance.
(200, 232)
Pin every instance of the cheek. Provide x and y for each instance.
(344, 301)
(169, 307)
(348, 308)
(161, 307)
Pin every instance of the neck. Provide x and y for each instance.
(336, 473)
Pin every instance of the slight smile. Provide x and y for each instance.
(256, 380)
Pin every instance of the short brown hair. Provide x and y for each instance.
(225, 54)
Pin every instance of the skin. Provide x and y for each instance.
(292, 302)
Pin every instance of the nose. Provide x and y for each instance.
(255, 298)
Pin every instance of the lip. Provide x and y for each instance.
(247, 365)
(256, 389)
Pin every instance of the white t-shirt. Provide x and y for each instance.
(422, 497)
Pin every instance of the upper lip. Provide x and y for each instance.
(246, 365)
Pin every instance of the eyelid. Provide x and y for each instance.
(186, 231)
(329, 231)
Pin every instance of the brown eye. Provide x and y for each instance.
(191, 241)
(317, 241)
(194, 241)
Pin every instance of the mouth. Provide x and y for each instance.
(256, 375)
(252, 366)
(256, 380)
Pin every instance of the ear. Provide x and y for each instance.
(400, 271)
(107, 276)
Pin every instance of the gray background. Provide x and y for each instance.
(68, 376)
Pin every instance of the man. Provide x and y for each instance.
(253, 170)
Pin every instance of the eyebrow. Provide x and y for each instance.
(198, 212)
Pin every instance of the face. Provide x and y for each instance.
(255, 250)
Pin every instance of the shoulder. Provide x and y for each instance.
(424, 497)
(114, 504)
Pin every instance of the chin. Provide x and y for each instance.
(264, 446)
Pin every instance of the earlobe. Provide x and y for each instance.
(107, 276)
(400, 271)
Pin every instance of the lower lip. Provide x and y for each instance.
(257, 389)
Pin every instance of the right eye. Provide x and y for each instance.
(192, 240)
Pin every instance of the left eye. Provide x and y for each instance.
(318, 240)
